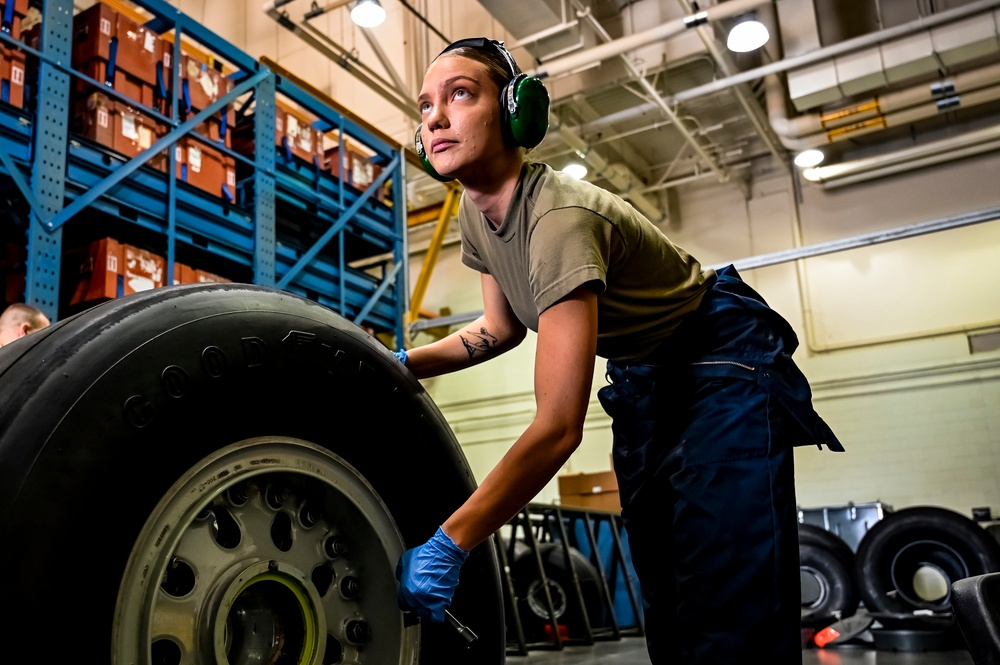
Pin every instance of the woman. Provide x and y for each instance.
(705, 400)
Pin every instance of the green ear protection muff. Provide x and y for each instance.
(524, 105)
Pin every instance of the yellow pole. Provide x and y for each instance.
(437, 240)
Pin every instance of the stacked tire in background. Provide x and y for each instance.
(901, 576)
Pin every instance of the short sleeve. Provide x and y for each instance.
(569, 247)
(470, 254)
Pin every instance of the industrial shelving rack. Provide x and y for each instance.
(288, 225)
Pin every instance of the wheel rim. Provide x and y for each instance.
(270, 551)
(922, 573)
(536, 599)
(814, 588)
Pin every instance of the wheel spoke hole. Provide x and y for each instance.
(276, 496)
(225, 528)
(281, 531)
(164, 652)
(322, 579)
(334, 651)
(178, 579)
(238, 494)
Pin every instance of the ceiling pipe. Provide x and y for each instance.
(861, 170)
(753, 110)
(621, 177)
(654, 94)
(848, 46)
(660, 33)
(314, 38)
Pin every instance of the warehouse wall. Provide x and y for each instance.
(881, 329)
(248, 27)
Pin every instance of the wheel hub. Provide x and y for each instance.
(269, 552)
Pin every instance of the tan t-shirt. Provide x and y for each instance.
(561, 233)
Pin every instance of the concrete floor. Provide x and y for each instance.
(632, 651)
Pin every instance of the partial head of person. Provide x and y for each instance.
(477, 106)
(19, 320)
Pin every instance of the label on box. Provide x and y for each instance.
(145, 137)
(166, 59)
(17, 75)
(112, 262)
(305, 139)
(105, 26)
(128, 127)
(293, 125)
(209, 86)
(279, 125)
(179, 153)
(150, 42)
(230, 177)
(194, 159)
(102, 117)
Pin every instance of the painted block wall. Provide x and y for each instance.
(883, 330)
(917, 412)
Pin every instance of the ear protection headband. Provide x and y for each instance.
(524, 105)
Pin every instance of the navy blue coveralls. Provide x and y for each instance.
(703, 436)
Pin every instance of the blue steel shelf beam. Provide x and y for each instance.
(167, 141)
(60, 177)
(48, 171)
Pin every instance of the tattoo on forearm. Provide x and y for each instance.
(478, 341)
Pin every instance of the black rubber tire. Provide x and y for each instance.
(531, 599)
(827, 563)
(104, 411)
(906, 541)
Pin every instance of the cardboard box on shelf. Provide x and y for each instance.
(11, 13)
(106, 269)
(12, 66)
(206, 168)
(144, 270)
(297, 132)
(132, 87)
(184, 274)
(117, 126)
(359, 169)
(98, 270)
(593, 491)
(138, 50)
(205, 276)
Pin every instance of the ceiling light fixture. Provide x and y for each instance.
(368, 13)
(809, 158)
(575, 170)
(747, 35)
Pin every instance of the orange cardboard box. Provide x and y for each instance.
(205, 276)
(144, 270)
(593, 491)
(100, 270)
(184, 274)
(12, 66)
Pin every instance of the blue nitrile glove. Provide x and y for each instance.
(401, 356)
(428, 576)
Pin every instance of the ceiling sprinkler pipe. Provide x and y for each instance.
(664, 31)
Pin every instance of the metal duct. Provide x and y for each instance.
(891, 110)
(894, 61)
